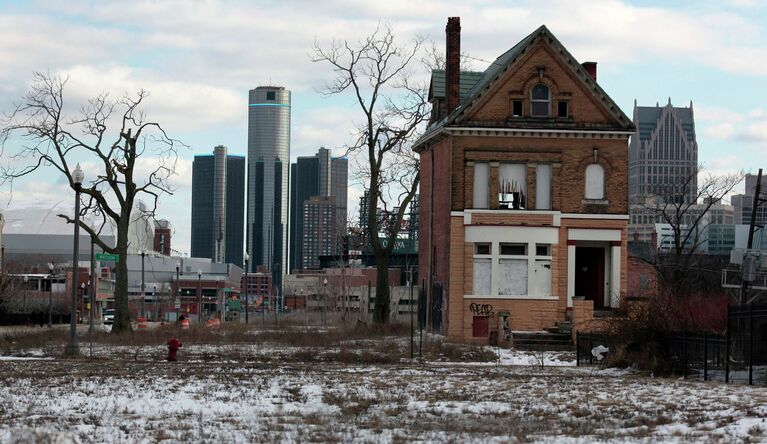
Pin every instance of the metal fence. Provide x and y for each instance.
(739, 356)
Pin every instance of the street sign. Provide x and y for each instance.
(107, 257)
(227, 289)
(178, 303)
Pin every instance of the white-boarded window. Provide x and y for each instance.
(513, 277)
(595, 182)
(543, 187)
(481, 185)
(483, 269)
(512, 186)
(482, 276)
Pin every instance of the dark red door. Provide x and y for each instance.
(590, 275)
(480, 327)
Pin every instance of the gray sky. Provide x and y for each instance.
(198, 60)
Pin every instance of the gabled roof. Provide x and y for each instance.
(506, 60)
(437, 86)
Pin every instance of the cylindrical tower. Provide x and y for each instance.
(268, 163)
(219, 202)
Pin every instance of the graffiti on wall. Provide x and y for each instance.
(481, 309)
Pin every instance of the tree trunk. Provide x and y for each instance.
(381, 314)
(122, 320)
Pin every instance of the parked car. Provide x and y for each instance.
(109, 316)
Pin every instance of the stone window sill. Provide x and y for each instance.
(602, 202)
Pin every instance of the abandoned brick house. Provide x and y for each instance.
(523, 195)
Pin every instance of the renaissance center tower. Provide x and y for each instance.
(268, 163)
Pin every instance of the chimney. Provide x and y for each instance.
(591, 68)
(453, 63)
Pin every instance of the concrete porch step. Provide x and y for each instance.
(543, 340)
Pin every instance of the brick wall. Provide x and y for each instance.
(569, 156)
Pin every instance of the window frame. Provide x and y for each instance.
(534, 101)
(588, 193)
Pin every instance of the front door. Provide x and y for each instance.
(590, 275)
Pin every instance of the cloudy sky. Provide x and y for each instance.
(199, 59)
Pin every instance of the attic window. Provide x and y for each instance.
(562, 108)
(516, 108)
(540, 101)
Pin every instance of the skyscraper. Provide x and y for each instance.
(744, 203)
(218, 183)
(268, 161)
(316, 176)
(663, 163)
(663, 152)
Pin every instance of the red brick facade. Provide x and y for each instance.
(589, 130)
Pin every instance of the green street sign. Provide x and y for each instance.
(227, 289)
(107, 257)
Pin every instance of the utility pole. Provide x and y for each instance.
(748, 261)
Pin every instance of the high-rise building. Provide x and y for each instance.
(744, 203)
(268, 161)
(663, 161)
(339, 186)
(316, 176)
(320, 230)
(218, 185)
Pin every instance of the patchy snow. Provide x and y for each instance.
(229, 393)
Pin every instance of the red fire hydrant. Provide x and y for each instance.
(173, 346)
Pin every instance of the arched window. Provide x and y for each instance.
(595, 182)
(540, 101)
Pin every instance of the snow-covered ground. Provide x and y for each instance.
(244, 393)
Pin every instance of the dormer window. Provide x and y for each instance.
(540, 101)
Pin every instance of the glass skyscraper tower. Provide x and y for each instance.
(268, 163)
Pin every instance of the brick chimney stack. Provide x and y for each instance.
(591, 68)
(453, 62)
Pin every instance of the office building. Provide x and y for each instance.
(321, 237)
(218, 185)
(663, 161)
(268, 161)
(316, 176)
(744, 203)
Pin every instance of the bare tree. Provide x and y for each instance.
(50, 139)
(686, 208)
(378, 72)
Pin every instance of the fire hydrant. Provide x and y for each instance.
(173, 346)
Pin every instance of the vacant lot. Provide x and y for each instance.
(312, 385)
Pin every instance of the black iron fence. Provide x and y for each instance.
(739, 356)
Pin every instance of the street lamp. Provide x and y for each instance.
(199, 296)
(246, 256)
(178, 286)
(143, 297)
(77, 183)
(82, 298)
(50, 295)
(324, 299)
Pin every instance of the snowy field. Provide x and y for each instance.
(264, 393)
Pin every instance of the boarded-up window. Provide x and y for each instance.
(595, 182)
(513, 277)
(543, 187)
(481, 184)
(480, 327)
(482, 276)
(540, 281)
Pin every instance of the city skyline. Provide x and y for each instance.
(198, 63)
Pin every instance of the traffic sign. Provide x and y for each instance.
(107, 257)
(178, 303)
